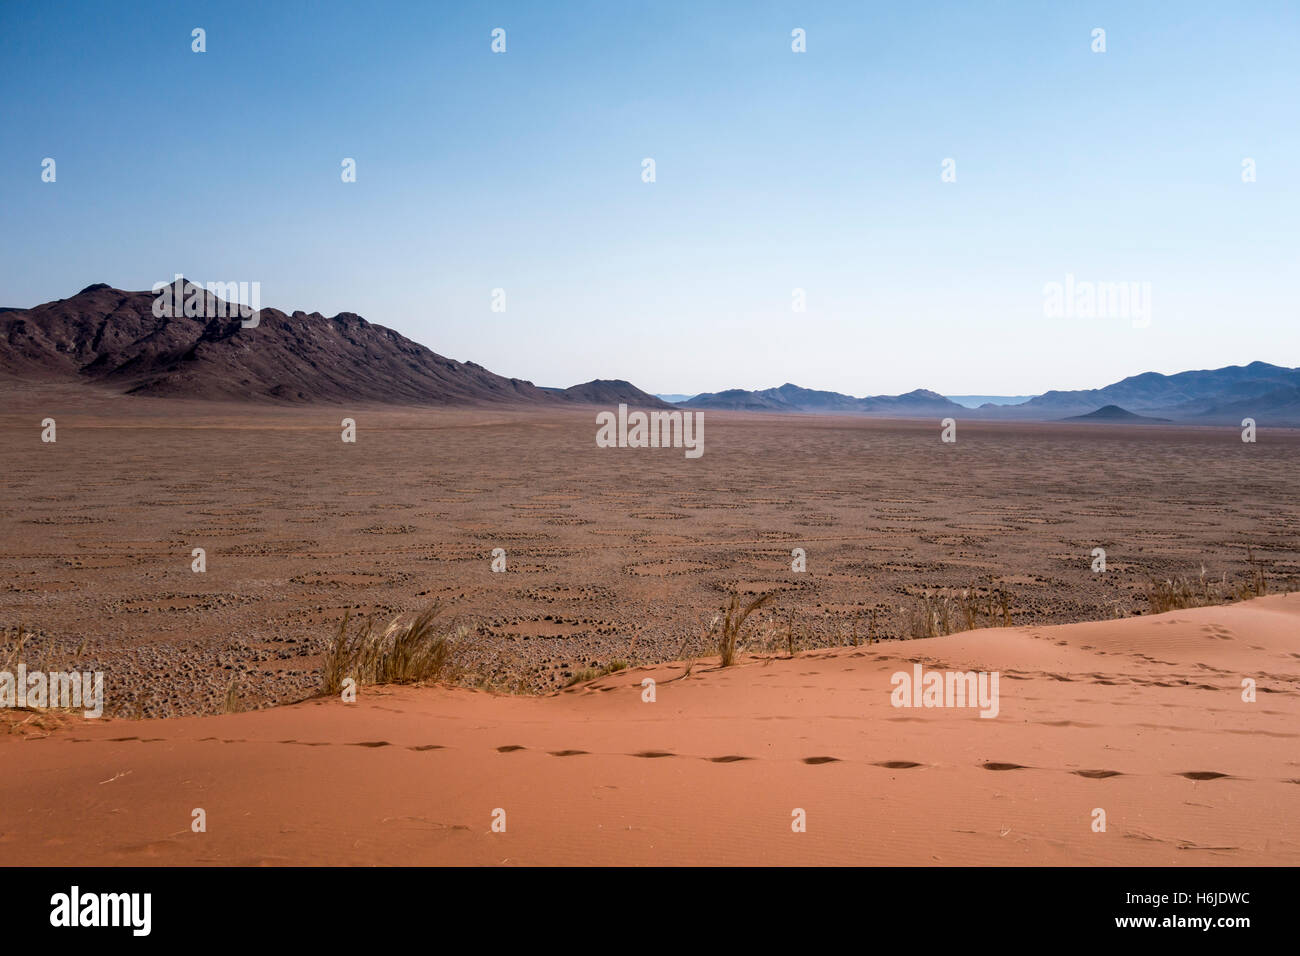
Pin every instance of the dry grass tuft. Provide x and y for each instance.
(14, 644)
(407, 651)
(726, 628)
(592, 673)
(14, 653)
(231, 704)
(1177, 594)
(935, 615)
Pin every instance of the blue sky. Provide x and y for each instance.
(774, 171)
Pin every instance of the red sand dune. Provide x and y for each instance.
(1138, 717)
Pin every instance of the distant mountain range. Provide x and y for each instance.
(792, 398)
(975, 401)
(966, 401)
(1267, 393)
(111, 338)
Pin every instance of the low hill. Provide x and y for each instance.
(1113, 413)
(793, 398)
(608, 392)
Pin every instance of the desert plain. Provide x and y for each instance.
(622, 558)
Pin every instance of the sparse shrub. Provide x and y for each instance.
(871, 636)
(16, 647)
(1257, 586)
(231, 705)
(407, 651)
(935, 615)
(1180, 593)
(592, 673)
(14, 653)
(727, 627)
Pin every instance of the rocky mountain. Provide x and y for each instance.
(112, 338)
(1281, 406)
(608, 392)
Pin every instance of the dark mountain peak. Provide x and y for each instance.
(608, 391)
(95, 288)
(112, 338)
(1113, 413)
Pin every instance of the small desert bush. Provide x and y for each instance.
(935, 615)
(1177, 594)
(591, 673)
(409, 650)
(772, 635)
(870, 636)
(12, 654)
(726, 628)
(15, 648)
(231, 704)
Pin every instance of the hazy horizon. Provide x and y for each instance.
(775, 171)
(968, 400)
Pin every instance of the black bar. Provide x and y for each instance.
(946, 907)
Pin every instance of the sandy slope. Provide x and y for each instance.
(595, 775)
